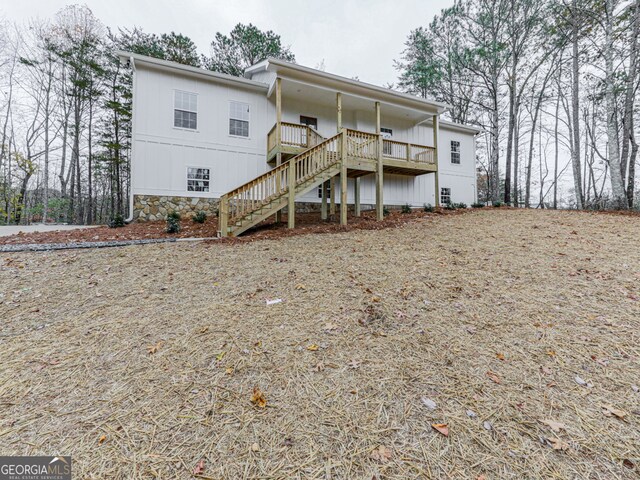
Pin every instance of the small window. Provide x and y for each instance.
(445, 196)
(185, 110)
(239, 119)
(455, 152)
(387, 133)
(309, 121)
(328, 190)
(197, 179)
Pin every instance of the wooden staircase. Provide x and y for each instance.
(265, 195)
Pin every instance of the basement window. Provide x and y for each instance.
(328, 190)
(239, 119)
(455, 152)
(197, 179)
(185, 110)
(445, 196)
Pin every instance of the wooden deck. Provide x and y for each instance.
(362, 151)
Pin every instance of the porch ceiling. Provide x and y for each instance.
(317, 95)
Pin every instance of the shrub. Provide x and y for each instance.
(200, 217)
(497, 204)
(427, 207)
(449, 206)
(385, 211)
(173, 222)
(406, 208)
(477, 205)
(117, 221)
(460, 205)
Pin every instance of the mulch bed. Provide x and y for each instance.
(501, 344)
(305, 223)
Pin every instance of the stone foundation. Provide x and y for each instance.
(155, 207)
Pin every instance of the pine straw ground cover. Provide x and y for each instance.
(522, 327)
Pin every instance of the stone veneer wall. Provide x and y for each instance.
(155, 207)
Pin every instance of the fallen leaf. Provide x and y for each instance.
(258, 398)
(154, 348)
(471, 414)
(382, 454)
(255, 447)
(546, 370)
(481, 477)
(229, 370)
(487, 426)
(558, 444)
(220, 356)
(551, 353)
(555, 426)
(609, 411)
(313, 347)
(199, 468)
(301, 286)
(102, 439)
(443, 428)
(628, 463)
(500, 356)
(494, 377)
(427, 402)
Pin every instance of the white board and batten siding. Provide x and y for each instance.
(163, 152)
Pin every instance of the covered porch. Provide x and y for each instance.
(380, 137)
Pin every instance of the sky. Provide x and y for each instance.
(353, 37)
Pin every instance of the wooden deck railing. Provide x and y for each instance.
(407, 151)
(362, 144)
(293, 135)
(359, 144)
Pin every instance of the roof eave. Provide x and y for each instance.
(189, 70)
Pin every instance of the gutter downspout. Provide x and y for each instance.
(133, 123)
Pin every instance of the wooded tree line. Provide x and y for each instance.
(545, 80)
(65, 109)
(552, 83)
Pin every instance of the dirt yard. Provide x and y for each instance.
(516, 333)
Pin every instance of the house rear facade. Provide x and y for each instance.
(287, 135)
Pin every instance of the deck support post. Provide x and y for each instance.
(379, 170)
(278, 138)
(343, 178)
(332, 195)
(291, 207)
(223, 216)
(323, 207)
(436, 134)
(356, 191)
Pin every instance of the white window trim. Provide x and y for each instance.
(173, 110)
(459, 152)
(443, 188)
(186, 180)
(248, 137)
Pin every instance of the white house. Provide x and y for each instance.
(285, 133)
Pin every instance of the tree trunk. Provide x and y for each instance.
(575, 101)
(613, 156)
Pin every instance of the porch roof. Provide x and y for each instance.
(336, 83)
